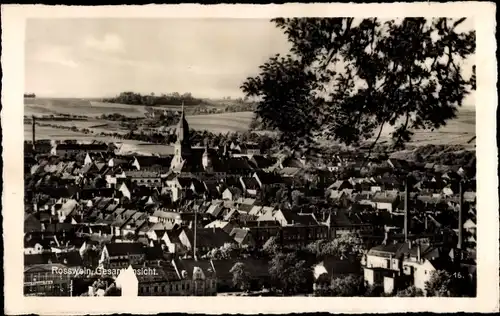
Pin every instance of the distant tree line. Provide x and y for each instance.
(29, 95)
(151, 99)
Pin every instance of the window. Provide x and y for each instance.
(171, 287)
(187, 286)
(183, 286)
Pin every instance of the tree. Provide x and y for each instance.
(289, 274)
(271, 247)
(411, 291)
(445, 284)
(346, 79)
(225, 252)
(346, 245)
(241, 276)
(350, 285)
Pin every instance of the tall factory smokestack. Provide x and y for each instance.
(407, 198)
(460, 215)
(33, 130)
(195, 228)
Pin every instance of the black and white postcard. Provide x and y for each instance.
(248, 159)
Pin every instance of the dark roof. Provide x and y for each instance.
(209, 237)
(89, 193)
(58, 192)
(184, 182)
(122, 249)
(385, 197)
(198, 186)
(154, 253)
(71, 258)
(236, 164)
(261, 162)
(292, 162)
(250, 183)
(154, 161)
(399, 163)
(239, 234)
(268, 177)
(405, 249)
(59, 227)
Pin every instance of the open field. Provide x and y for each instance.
(457, 132)
(54, 106)
(87, 107)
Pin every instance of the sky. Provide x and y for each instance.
(103, 57)
(88, 58)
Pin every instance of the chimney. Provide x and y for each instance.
(460, 216)
(407, 197)
(386, 238)
(33, 130)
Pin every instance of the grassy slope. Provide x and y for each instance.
(458, 131)
(217, 123)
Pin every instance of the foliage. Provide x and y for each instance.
(151, 100)
(271, 247)
(228, 251)
(349, 285)
(241, 276)
(289, 274)
(374, 291)
(411, 291)
(446, 284)
(349, 244)
(346, 79)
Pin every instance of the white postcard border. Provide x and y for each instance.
(13, 25)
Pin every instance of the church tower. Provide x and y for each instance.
(182, 147)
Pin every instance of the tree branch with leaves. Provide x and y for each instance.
(344, 78)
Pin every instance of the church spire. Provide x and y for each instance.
(182, 127)
(182, 147)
